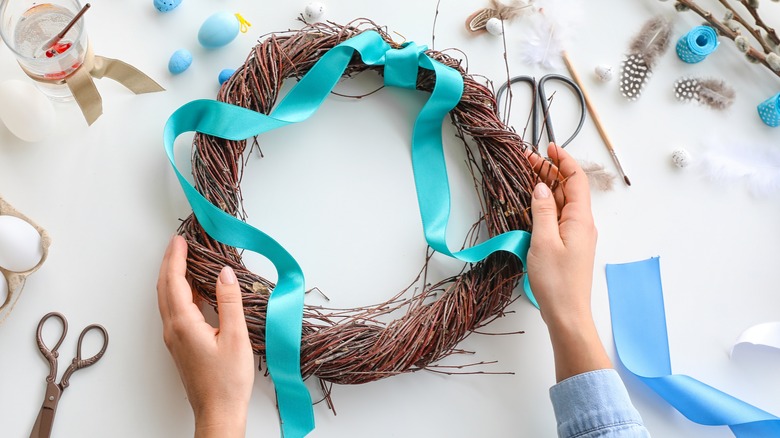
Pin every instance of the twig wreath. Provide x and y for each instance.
(352, 346)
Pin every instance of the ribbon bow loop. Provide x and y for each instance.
(401, 65)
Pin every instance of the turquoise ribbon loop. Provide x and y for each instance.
(285, 304)
(697, 44)
(639, 328)
(401, 66)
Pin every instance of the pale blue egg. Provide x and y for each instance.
(166, 5)
(225, 74)
(218, 30)
(180, 61)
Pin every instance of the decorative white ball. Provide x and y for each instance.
(681, 158)
(604, 73)
(313, 12)
(25, 111)
(494, 26)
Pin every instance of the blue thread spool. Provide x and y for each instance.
(697, 44)
(769, 111)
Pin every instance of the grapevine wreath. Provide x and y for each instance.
(352, 346)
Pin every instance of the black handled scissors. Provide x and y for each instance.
(540, 102)
(45, 420)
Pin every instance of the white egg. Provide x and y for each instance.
(494, 26)
(20, 244)
(681, 158)
(3, 290)
(313, 12)
(25, 111)
(604, 73)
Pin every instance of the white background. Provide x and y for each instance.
(110, 201)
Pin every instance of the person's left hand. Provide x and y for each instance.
(216, 365)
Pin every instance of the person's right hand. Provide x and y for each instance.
(560, 264)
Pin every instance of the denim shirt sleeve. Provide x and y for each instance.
(595, 404)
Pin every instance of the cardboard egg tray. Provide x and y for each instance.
(16, 280)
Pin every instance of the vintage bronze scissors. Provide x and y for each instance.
(540, 103)
(45, 420)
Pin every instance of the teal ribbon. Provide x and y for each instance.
(639, 326)
(285, 304)
(697, 44)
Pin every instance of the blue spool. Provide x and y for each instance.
(769, 111)
(697, 44)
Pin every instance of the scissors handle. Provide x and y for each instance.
(546, 107)
(79, 363)
(51, 354)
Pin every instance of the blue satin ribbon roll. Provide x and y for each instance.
(769, 111)
(697, 44)
(639, 328)
(285, 304)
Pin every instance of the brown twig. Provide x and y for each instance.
(760, 23)
(756, 33)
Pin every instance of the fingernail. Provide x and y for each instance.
(541, 191)
(227, 276)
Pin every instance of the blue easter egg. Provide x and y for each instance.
(180, 61)
(218, 30)
(166, 5)
(225, 74)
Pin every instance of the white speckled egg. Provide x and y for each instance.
(180, 60)
(494, 26)
(681, 158)
(604, 73)
(20, 244)
(25, 111)
(313, 12)
(218, 30)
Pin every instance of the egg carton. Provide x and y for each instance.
(16, 280)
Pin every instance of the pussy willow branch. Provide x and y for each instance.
(760, 23)
(728, 33)
(756, 33)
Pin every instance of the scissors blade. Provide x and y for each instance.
(43, 424)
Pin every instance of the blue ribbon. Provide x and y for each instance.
(697, 44)
(285, 305)
(639, 328)
(769, 111)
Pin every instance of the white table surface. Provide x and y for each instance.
(109, 199)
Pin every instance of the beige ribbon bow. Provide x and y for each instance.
(82, 85)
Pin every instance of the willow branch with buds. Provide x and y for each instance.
(732, 27)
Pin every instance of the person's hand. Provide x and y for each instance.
(560, 263)
(216, 365)
(560, 260)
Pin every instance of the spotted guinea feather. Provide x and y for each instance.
(647, 46)
(715, 93)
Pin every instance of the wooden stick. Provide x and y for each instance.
(595, 116)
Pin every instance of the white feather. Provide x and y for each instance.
(546, 33)
(757, 166)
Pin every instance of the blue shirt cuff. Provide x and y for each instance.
(595, 404)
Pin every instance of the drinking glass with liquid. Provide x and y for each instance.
(27, 27)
